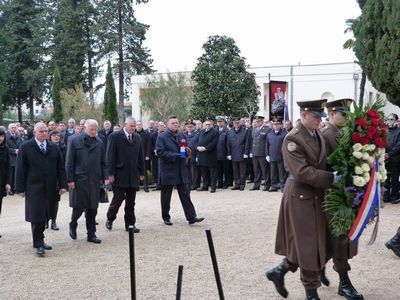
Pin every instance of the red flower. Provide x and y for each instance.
(361, 122)
(364, 141)
(356, 137)
(380, 143)
(370, 136)
(371, 129)
(375, 122)
(372, 113)
(381, 123)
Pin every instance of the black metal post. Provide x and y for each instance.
(132, 261)
(179, 283)
(215, 264)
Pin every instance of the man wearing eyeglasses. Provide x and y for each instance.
(39, 171)
(392, 159)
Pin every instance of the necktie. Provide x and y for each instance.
(130, 139)
(42, 148)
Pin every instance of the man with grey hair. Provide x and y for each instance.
(14, 141)
(86, 170)
(40, 176)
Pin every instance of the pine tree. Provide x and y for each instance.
(222, 85)
(55, 92)
(122, 36)
(110, 98)
(377, 45)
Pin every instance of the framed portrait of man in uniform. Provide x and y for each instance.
(277, 96)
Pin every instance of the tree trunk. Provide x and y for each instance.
(19, 109)
(90, 58)
(121, 116)
(31, 114)
(362, 89)
(1, 110)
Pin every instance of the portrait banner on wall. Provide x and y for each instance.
(278, 104)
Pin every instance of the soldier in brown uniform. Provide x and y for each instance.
(342, 249)
(302, 232)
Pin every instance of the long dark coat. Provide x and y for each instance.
(238, 143)
(4, 168)
(13, 144)
(85, 165)
(302, 231)
(273, 145)
(172, 167)
(146, 142)
(258, 141)
(124, 160)
(37, 175)
(209, 140)
(192, 140)
(222, 144)
(341, 246)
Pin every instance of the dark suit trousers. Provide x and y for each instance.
(209, 175)
(37, 234)
(194, 175)
(239, 173)
(249, 168)
(222, 173)
(12, 178)
(260, 169)
(184, 196)
(154, 168)
(278, 174)
(121, 194)
(90, 215)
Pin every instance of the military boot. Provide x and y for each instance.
(346, 289)
(277, 275)
(312, 295)
(322, 277)
(394, 243)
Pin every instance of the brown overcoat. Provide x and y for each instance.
(340, 245)
(302, 232)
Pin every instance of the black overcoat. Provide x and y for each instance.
(85, 165)
(222, 144)
(125, 160)
(172, 167)
(4, 169)
(37, 175)
(238, 143)
(13, 144)
(209, 140)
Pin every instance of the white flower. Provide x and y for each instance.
(365, 167)
(357, 154)
(366, 177)
(371, 147)
(370, 160)
(366, 156)
(357, 147)
(358, 181)
(381, 151)
(381, 161)
(358, 170)
(365, 147)
(382, 169)
(384, 177)
(380, 177)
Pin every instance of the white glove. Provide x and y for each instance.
(268, 159)
(245, 156)
(336, 177)
(197, 159)
(229, 157)
(251, 155)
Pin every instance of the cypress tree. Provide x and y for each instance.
(110, 97)
(55, 92)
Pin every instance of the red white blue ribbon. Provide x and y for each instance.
(370, 202)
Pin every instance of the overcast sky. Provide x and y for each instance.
(268, 32)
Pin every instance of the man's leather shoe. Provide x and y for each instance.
(47, 247)
(241, 188)
(40, 251)
(202, 189)
(322, 277)
(146, 189)
(94, 239)
(109, 224)
(255, 188)
(312, 295)
(312, 298)
(135, 229)
(266, 188)
(46, 225)
(250, 181)
(235, 188)
(394, 244)
(277, 275)
(212, 190)
(196, 220)
(168, 222)
(271, 189)
(224, 187)
(72, 232)
(346, 289)
(54, 226)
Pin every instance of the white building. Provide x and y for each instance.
(305, 82)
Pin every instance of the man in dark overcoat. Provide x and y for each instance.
(342, 248)
(39, 171)
(86, 171)
(257, 153)
(146, 147)
(274, 142)
(207, 155)
(173, 171)
(302, 231)
(223, 174)
(105, 132)
(14, 141)
(238, 151)
(193, 169)
(125, 167)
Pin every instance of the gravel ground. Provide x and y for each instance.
(243, 226)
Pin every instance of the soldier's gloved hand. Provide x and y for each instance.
(229, 157)
(336, 177)
(245, 156)
(251, 155)
(268, 159)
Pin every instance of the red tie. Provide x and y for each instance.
(129, 139)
